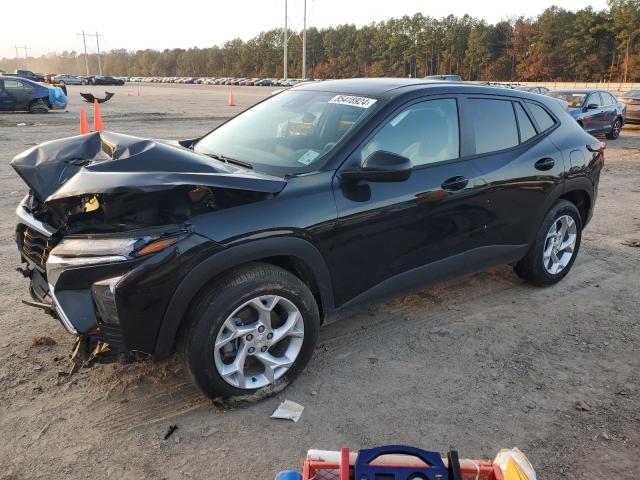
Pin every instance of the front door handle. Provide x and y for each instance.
(454, 184)
(545, 164)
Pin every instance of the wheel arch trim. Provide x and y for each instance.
(231, 257)
(580, 185)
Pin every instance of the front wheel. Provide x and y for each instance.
(38, 106)
(555, 246)
(250, 333)
(615, 130)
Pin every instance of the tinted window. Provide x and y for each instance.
(594, 98)
(13, 84)
(426, 132)
(607, 98)
(494, 124)
(542, 117)
(524, 122)
(575, 100)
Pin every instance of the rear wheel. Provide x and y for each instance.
(251, 333)
(555, 247)
(615, 130)
(38, 106)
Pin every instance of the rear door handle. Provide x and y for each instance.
(454, 184)
(545, 164)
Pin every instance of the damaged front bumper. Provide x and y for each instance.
(101, 286)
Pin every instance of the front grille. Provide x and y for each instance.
(36, 247)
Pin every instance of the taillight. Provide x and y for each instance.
(598, 147)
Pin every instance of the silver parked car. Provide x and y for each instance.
(70, 79)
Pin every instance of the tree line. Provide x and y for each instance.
(557, 45)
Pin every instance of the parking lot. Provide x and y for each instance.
(479, 363)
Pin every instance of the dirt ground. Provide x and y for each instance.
(480, 363)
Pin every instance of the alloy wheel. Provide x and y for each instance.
(259, 342)
(559, 244)
(615, 131)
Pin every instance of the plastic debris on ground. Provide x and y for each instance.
(288, 410)
(514, 465)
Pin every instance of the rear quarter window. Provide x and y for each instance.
(544, 120)
(494, 124)
(527, 130)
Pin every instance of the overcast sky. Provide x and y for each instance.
(166, 24)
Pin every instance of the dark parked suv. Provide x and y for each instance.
(233, 248)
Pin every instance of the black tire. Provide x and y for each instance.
(218, 301)
(615, 129)
(38, 106)
(531, 267)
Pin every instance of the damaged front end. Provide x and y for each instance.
(105, 230)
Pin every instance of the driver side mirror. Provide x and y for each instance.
(592, 106)
(381, 166)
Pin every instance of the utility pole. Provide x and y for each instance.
(25, 51)
(304, 43)
(98, 45)
(86, 58)
(16, 47)
(286, 39)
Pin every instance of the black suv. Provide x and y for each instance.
(233, 248)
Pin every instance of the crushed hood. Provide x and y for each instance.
(110, 162)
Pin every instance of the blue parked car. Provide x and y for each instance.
(597, 111)
(19, 94)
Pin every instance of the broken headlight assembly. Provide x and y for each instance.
(73, 253)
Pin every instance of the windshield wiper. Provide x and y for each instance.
(226, 159)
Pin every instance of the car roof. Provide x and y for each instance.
(578, 90)
(377, 87)
(22, 79)
(387, 88)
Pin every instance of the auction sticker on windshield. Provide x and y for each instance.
(353, 100)
(308, 157)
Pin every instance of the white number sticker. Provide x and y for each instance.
(352, 100)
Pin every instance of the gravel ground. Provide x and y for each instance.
(480, 363)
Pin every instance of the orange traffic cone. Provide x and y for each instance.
(138, 92)
(128, 94)
(232, 101)
(84, 124)
(98, 126)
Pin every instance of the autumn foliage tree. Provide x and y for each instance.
(557, 45)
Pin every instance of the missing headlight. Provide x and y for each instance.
(104, 296)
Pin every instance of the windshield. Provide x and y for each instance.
(289, 131)
(575, 100)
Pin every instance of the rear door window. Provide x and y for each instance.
(527, 129)
(594, 98)
(607, 98)
(494, 124)
(542, 117)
